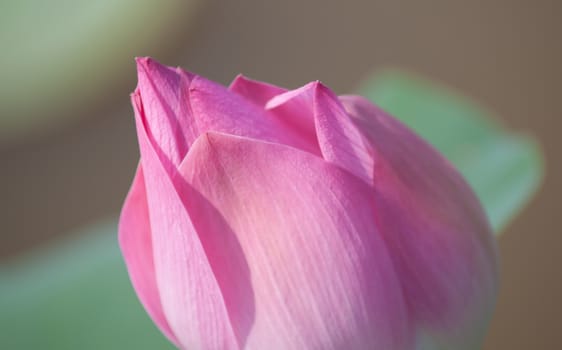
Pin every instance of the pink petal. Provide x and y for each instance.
(302, 230)
(191, 298)
(339, 140)
(294, 108)
(179, 106)
(302, 95)
(255, 91)
(166, 111)
(438, 235)
(292, 115)
(136, 244)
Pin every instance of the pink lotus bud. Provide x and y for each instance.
(261, 218)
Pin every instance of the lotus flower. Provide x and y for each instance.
(263, 218)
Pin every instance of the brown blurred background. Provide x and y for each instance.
(504, 53)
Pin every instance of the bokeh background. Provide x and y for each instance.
(67, 142)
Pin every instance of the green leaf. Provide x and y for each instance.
(76, 295)
(504, 169)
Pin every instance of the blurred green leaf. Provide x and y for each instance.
(504, 169)
(61, 58)
(74, 296)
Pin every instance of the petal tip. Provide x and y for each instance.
(240, 78)
(144, 63)
(320, 89)
(243, 83)
(148, 67)
(142, 59)
(280, 99)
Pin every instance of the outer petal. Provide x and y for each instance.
(438, 234)
(136, 244)
(320, 273)
(191, 298)
(179, 106)
(339, 140)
